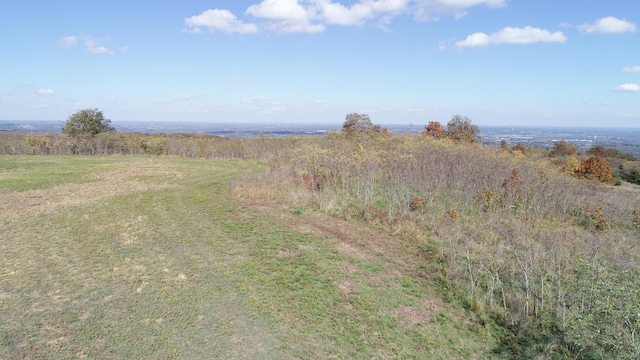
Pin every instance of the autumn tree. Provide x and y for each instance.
(434, 129)
(460, 128)
(596, 168)
(87, 122)
(562, 148)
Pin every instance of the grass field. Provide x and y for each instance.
(156, 258)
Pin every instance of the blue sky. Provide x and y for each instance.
(499, 62)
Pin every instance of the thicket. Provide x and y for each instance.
(183, 145)
(549, 261)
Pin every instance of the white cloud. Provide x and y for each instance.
(632, 69)
(92, 46)
(627, 88)
(289, 10)
(335, 13)
(219, 20)
(511, 35)
(286, 16)
(68, 41)
(43, 92)
(90, 43)
(294, 27)
(313, 16)
(609, 25)
(427, 10)
(99, 50)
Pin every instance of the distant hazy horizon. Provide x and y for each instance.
(336, 124)
(499, 62)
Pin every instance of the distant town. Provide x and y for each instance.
(626, 140)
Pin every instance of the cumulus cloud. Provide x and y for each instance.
(286, 16)
(43, 92)
(91, 44)
(511, 35)
(219, 20)
(608, 25)
(313, 16)
(632, 69)
(356, 14)
(627, 88)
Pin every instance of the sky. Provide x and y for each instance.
(498, 62)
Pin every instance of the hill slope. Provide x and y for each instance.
(138, 257)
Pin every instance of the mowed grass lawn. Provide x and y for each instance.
(157, 258)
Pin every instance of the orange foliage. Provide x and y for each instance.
(596, 168)
(434, 129)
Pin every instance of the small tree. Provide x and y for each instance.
(460, 128)
(562, 148)
(359, 123)
(87, 122)
(434, 129)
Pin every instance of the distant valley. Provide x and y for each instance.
(626, 140)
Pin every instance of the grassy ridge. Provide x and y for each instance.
(549, 257)
(138, 257)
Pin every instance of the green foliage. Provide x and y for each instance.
(631, 175)
(87, 122)
(460, 128)
(359, 123)
(610, 153)
(606, 320)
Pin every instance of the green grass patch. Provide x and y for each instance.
(169, 264)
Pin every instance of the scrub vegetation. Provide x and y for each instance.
(357, 244)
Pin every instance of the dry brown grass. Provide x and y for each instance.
(506, 231)
(104, 185)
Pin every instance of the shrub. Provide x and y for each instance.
(460, 128)
(520, 147)
(562, 148)
(597, 168)
(572, 165)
